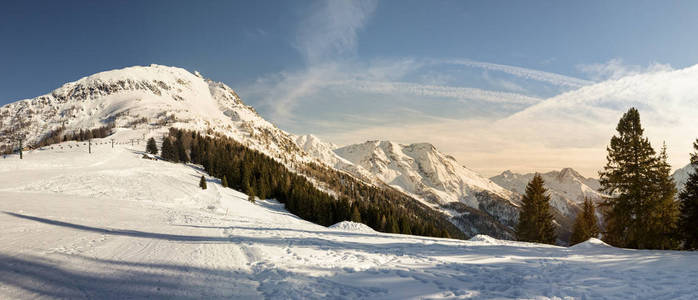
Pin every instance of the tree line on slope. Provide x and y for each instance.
(257, 174)
(60, 134)
(641, 212)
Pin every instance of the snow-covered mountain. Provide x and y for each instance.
(475, 203)
(153, 97)
(680, 176)
(567, 188)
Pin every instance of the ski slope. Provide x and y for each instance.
(111, 225)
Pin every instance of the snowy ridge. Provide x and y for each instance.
(324, 153)
(567, 188)
(473, 203)
(422, 171)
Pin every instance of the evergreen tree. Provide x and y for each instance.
(202, 182)
(392, 225)
(356, 215)
(688, 197)
(168, 151)
(444, 234)
(224, 182)
(405, 227)
(180, 151)
(151, 147)
(251, 196)
(641, 213)
(664, 217)
(586, 225)
(535, 219)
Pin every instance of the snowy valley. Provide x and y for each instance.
(111, 225)
(95, 220)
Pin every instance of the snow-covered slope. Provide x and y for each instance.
(438, 180)
(110, 225)
(153, 97)
(567, 188)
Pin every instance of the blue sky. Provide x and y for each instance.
(349, 71)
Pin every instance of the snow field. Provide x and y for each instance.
(110, 225)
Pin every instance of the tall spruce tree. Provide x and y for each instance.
(664, 217)
(535, 219)
(586, 225)
(167, 151)
(251, 196)
(688, 220)
(639, 213)
(180, 151)
(356, 215)
(151, 147)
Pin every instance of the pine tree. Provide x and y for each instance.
(168, 151)
(180, 152)
(405, 227)
(688, 220)
(586, 225)
(664, 214)
(251, 196)
(224, 182)
(392, 225)
(202, 182)
(641, 213)
(152, 147)
(535, 219)
(356, 215)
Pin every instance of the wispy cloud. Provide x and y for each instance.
(615, 69)
(537, 75)
(331, 28)
(440, 91)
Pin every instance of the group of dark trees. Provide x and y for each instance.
(259, 175)
(688, 209)
(641, 211)
(586, 225)
(59, 135)
(536, 219)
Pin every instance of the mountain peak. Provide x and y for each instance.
(570, 173)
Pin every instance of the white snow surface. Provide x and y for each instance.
(352, 227)
(111, 225)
